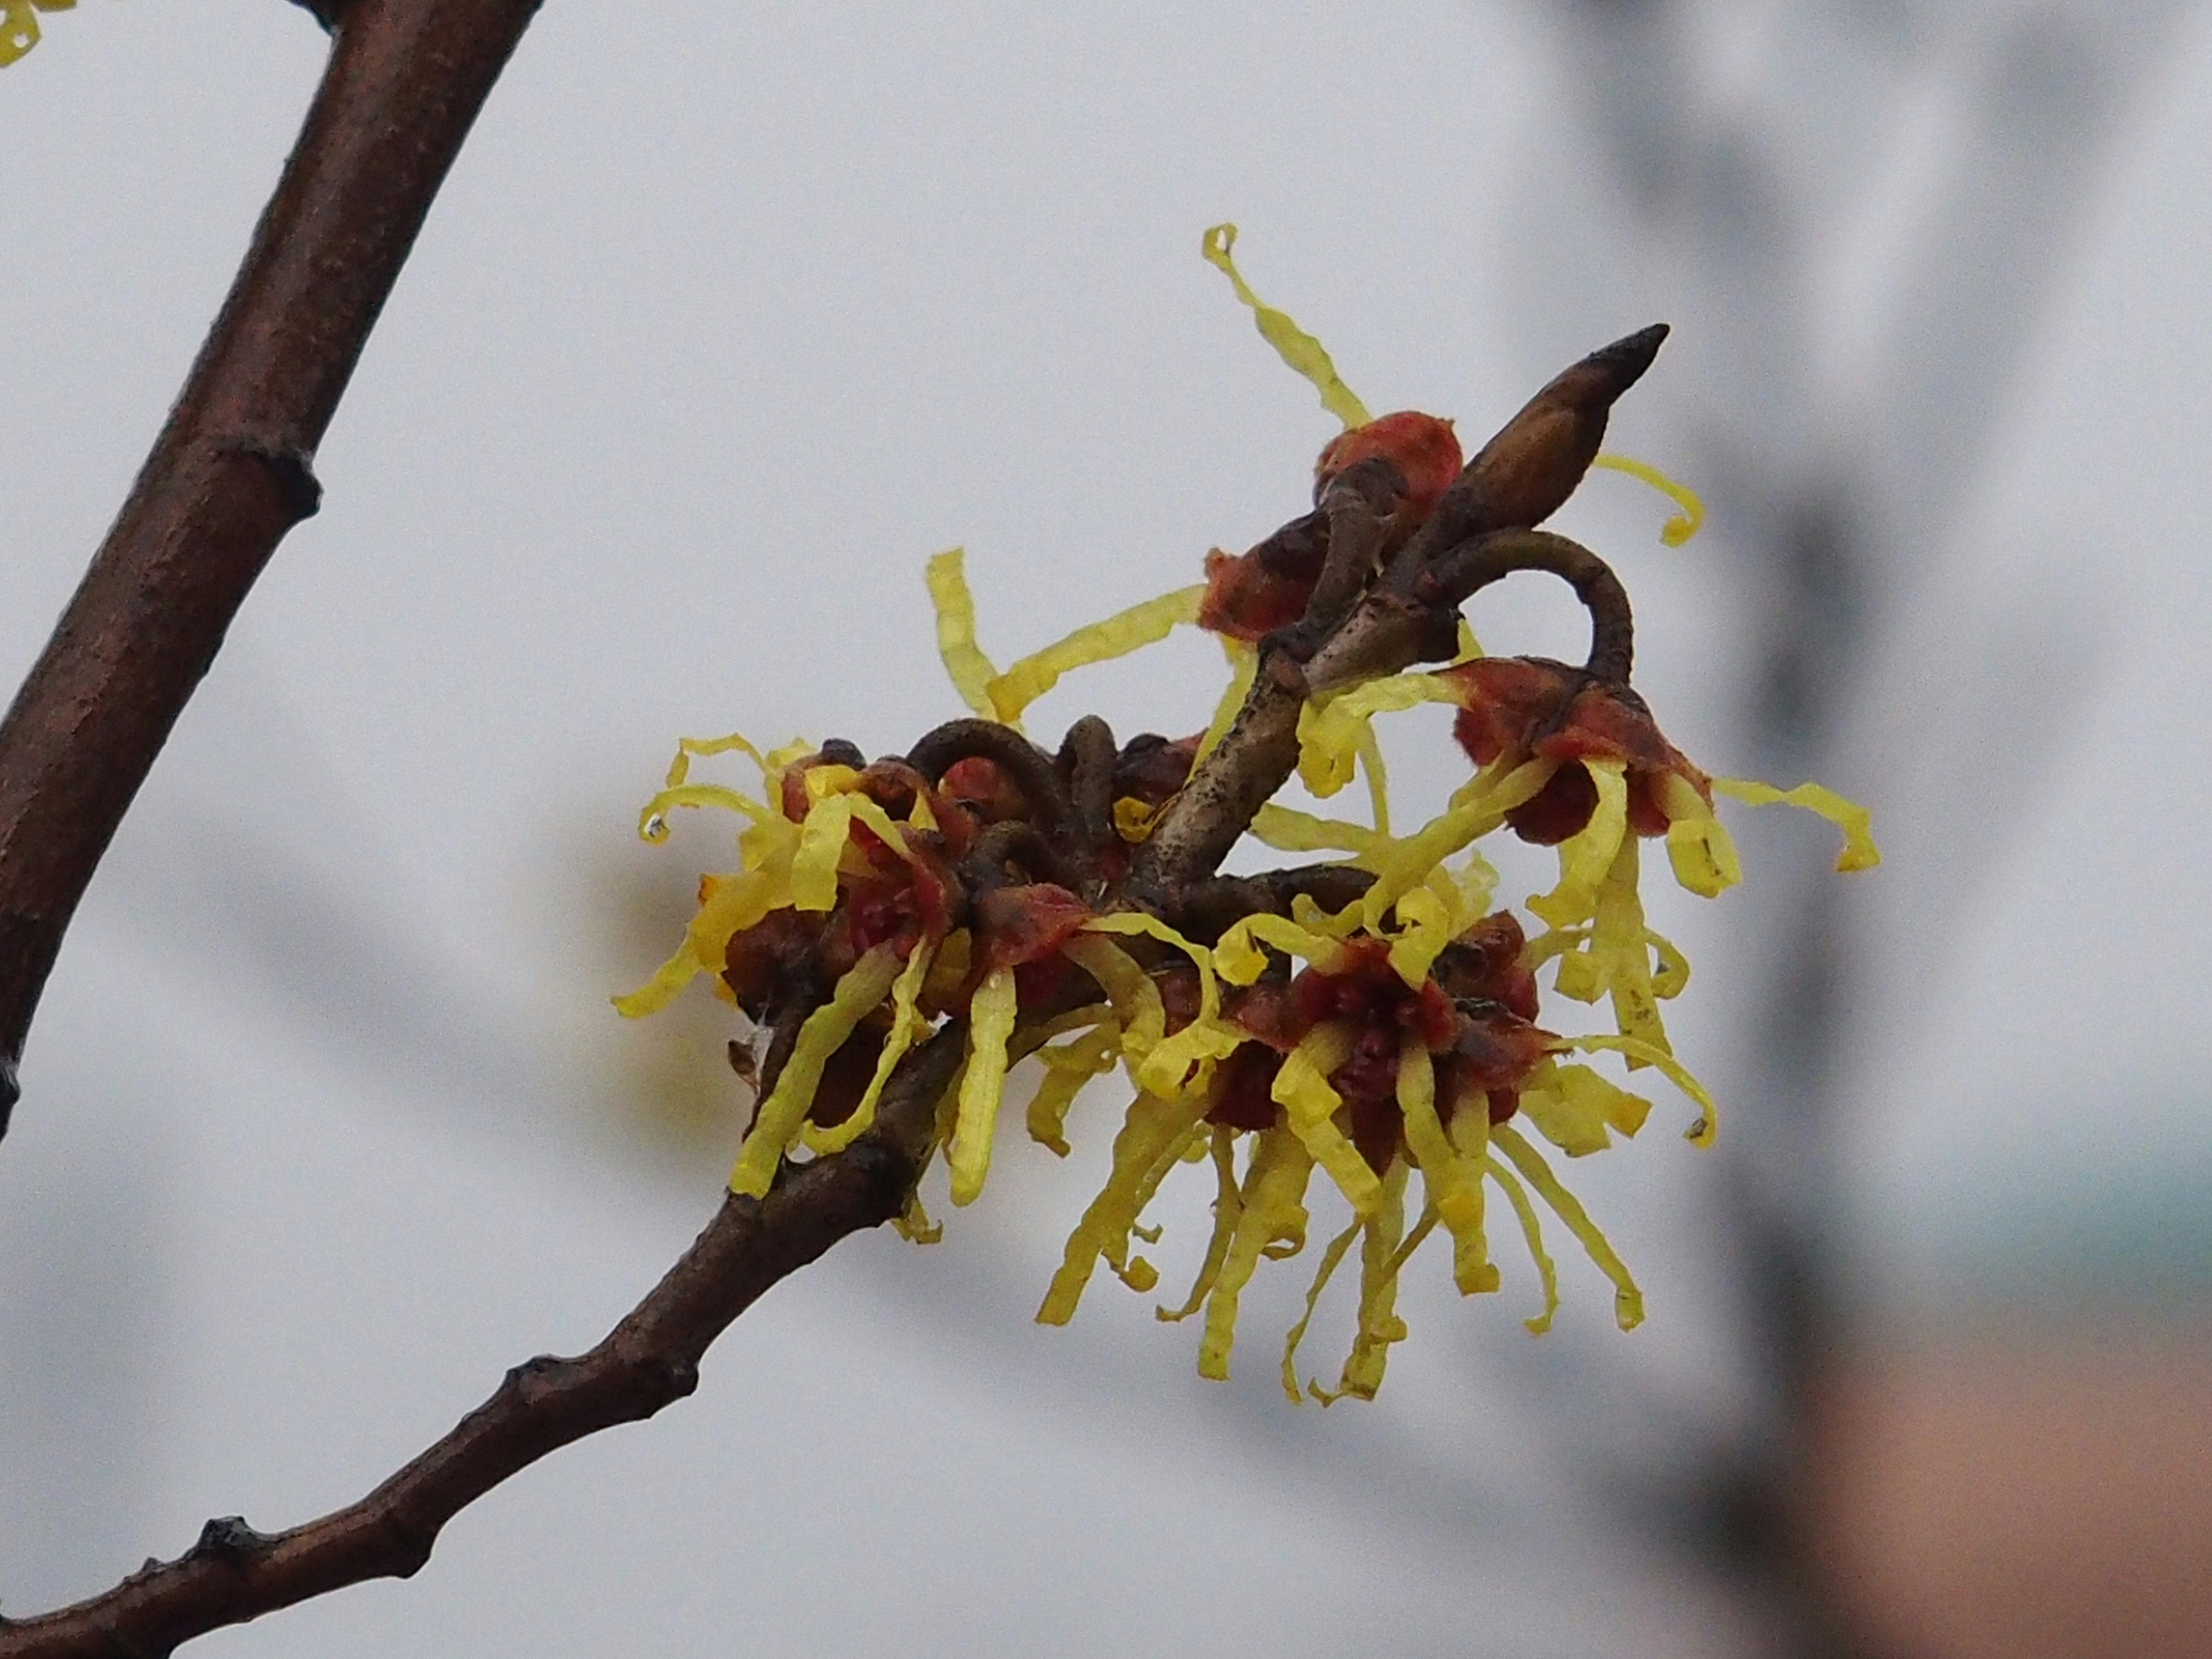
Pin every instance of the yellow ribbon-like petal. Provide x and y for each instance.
(1309, 1101)
(1137, 1006)
(1681, 525)
(906, 1025)
(990, 1023)
(1701, 1132)
(1272, 1214)
(1140, 625)
(1477, 808)
(1586, 856)
(1379, 1325)
(1238, 958)
(1243, 668)
(1532, 1232)
(1323, 1273)
(857, 994)
(1292, 343)
(1627, 1300)
(1228, 1204)
(1855, 821)
(1289, 830)
(970, 670)
(1454, 1182)
(1067, 1068)
(1166, 1069)
(1332, 730)
(1150, 1128)
(1574, 1108)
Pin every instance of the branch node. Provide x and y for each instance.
(411, 1541)
(230, 1539)
(294, 470)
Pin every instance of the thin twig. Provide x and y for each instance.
(647, 1362)
(233, 470)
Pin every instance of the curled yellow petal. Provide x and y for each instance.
(1427, 923)
(970, 670)
(1699, 845)
(1227, 1206)
(1708, 1124)
(1137, 1006)
(1627, 1300)
(857, 994)
(1150, 1127)
(689, 748)
(1292, 343)
(19, 25)
(653, 820)
(1454, 1182)
(1378, 780)
(990, 1022)
(736, 903)
(1332, 730)
(1135, 1271)
(1681, 525)
(1168, 1068)
(1620, 946)
(1309, 1101)
(906, 1025)
(1272, 1213)
(1531, 1232)
(913, 1224)
(1325, 1270)
(1238, 958)
(1140, 625)
(1855, 821)
(821, 845)
(1586, 856)
(1289, 830)
(1574, 1108)
(1671, 976)
(1473, 1271)
(1067, 1068)
(1379, 1325)
(1476, 808)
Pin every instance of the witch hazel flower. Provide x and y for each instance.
(1368, 1029)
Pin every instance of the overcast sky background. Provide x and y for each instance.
(727, 318)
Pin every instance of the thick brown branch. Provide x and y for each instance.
(232, 471)
(649, 1361)
(1261, 751)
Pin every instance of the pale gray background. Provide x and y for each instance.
(729, 317)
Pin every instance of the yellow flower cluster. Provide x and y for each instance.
(1392, 1037)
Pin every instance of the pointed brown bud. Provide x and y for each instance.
(1522, 476)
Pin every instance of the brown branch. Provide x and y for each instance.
(1473, 565)
(232, 471)
(649, 1361)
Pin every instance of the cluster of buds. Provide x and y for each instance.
(945, 914)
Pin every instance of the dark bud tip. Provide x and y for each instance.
(1523, 474)
(1625, 360)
